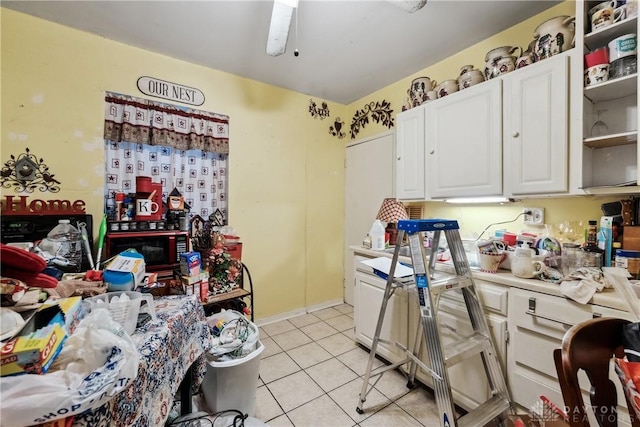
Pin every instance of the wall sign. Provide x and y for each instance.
(21, 205)
(171, 91)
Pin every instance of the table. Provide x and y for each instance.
(169, 348)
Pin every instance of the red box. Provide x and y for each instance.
(235, 250)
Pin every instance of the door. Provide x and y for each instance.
(368, 180)
(410, 184)
(464, 143)
(536, 136)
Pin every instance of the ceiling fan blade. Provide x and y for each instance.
(409, 5)
(279, 28)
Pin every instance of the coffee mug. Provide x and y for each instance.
(146, 207)
(525, 267)
(602, 14)
(596, 74)
(620, 13)
(489, 263)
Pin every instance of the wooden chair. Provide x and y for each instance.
(589, 346)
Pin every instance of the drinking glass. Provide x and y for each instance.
(599, 128)
(573, 230)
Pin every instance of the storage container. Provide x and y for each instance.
(233, 384)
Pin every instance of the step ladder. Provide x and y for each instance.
(429, 285)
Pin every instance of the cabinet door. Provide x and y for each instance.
(536, 136)
(369, 294)
(410, 154)
(464, 143)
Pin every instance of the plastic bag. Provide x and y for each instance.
(97, 362)
(233, 335)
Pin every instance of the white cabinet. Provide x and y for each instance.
(608, 161)
(536, 128)
(464, 143)
(369, 292)
(410, 184)
(537, 323)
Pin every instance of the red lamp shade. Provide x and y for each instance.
(391, 212)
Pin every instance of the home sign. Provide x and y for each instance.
(171, 91)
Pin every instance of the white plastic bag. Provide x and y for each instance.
(97, 362)
(238, 337)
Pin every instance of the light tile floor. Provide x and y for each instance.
(311, 375)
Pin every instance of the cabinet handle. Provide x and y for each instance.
(534, 314)
(516, 134)
(432, 151)
(398, 158)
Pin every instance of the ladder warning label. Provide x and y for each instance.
(421, 281)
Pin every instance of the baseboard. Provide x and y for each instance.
(288, 315)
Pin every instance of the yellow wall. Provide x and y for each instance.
(286, 172)
(473, 219)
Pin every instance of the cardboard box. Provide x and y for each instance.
(190, 264)
(37, 345)
(631, 237)
(204, 286)
(606, 231)
(71, 310)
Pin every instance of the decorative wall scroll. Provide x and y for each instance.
(316, 112)
(380, 112)
(336, 128)
(28, 173)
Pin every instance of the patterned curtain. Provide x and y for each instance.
(182, 148)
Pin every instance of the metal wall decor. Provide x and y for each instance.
(316, 112)
(380, 112)
(336, 128)
(27, 173)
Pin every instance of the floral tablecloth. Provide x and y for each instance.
(167, 346)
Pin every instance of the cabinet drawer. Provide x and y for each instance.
(546, 314)
(493, 297)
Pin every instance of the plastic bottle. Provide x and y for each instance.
(67, 241)
(377, 236)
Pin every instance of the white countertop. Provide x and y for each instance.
(607, 298)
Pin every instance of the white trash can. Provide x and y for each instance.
(233, 384)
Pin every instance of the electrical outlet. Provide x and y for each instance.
(535, 218)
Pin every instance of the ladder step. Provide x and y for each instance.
(461, 350)
(484, 413)
(439, 286)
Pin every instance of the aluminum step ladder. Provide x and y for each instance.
(429, 285)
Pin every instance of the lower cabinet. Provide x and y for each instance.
(537, 323)
(369, 293)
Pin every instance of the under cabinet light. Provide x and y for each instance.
(477, 200)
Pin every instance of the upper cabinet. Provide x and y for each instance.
(410, 184)
(464, 143)
(536, 128)
(607, 152)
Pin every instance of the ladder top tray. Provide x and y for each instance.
(412, 226)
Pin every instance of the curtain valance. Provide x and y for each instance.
(144, 121)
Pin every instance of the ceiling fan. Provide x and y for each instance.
(282, 14)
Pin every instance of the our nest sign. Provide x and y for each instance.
(171, 91)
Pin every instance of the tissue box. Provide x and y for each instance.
(190, 264)
(37, 345)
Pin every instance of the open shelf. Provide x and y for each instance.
(612, 140)
(603, 36)
(612, 89)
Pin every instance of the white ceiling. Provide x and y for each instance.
(348, 49)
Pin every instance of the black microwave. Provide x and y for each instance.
(161, 249)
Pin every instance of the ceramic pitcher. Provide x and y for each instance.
(554, 36)
(493, 58)
(419, 88)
